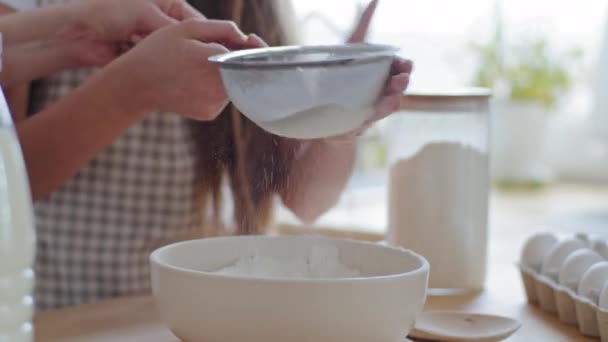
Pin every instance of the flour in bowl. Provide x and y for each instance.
(323, 262)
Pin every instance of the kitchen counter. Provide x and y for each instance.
(135, 319)
(514, 216)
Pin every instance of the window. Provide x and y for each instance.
(437, 35)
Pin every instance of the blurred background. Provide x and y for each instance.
(545, 63)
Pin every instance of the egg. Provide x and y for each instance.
(556, 256)
(575, 265)
(602, 313)
(603, 300)
(535, 249)
(600, 247)
(593, 281)
(583, 237)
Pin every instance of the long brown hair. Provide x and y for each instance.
(255, 164)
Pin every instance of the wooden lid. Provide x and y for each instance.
(451, 100)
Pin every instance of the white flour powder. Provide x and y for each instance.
(438, 202)
(319, 122)
(323, 262)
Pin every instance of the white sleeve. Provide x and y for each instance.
(20, 5)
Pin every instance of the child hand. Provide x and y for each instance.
(169, 70)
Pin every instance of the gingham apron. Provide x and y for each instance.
(95, 233)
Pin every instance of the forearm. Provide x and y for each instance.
(39, 24)
(58, 141)
(18, 101)
(40, 42)
(17, 97)
(23, 63)
(318, 177)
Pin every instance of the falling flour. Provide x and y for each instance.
(323, 262)
(438, 202)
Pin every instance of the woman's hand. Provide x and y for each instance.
(169, 70)
(80, 34)
(390, 100)
(395, 85)
(103, 29)
(323, 166)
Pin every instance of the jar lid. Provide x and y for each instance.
(442, 100)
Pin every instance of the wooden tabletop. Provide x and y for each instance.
(136, 319)
(514, 217)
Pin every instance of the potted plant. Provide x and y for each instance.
(528, 80)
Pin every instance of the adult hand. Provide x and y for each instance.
(103, 28)
(395, 85)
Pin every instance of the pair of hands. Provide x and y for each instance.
(167, 69)
(159, 50)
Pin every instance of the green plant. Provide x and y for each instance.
(373, 154)
(530, 70)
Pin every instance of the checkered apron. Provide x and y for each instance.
(96, 232)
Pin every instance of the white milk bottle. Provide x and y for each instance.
(17, 237)
(438, 185)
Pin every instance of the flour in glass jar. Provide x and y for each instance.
(438, 202)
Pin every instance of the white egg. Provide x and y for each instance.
(600, 247)
(575, 266)
(556, 256)
(603, 301)
(583, 237)
(535, 249)
(593, 281)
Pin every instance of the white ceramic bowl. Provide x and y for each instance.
(307, 92)
(198, 305)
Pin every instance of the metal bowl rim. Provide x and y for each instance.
(362, 53)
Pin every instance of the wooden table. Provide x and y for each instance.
(514, 216)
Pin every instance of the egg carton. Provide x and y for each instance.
(569, 277)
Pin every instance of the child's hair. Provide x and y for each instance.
(255, 164)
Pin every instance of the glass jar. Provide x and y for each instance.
(439, 185)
